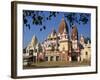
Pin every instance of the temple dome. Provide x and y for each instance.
(63, 26)
(82, 38)
(74, 33)
(54, 32)
(34, 41)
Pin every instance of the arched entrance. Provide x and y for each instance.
(74, 56)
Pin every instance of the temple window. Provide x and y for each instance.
(86, 53)
(35, 50)
(57, 58)
(30, 52)
(46, 58)
(51, 58)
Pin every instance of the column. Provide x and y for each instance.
(70, 59)
(78, 58)
(48, 58)
(54, 58)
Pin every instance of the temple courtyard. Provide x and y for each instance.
(56, 64)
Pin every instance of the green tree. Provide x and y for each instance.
(38, 17)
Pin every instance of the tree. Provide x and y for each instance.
(38, 17)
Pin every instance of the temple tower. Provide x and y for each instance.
(63, 36)
(75, 46)
(63, 40)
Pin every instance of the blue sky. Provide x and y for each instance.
(54, 23)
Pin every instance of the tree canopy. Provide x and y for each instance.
(38, 17)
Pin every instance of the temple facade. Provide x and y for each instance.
(59, 46)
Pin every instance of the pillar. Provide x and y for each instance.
(78, 58)
(48, 58)
(54, 58)
(70, 59)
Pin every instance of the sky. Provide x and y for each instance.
(84, 29)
